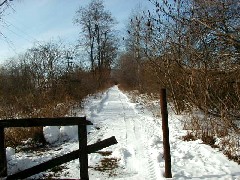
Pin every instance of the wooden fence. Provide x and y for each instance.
(81, 153)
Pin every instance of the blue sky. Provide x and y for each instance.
(28, 21)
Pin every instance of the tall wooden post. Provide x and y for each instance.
(3, 160)
(166, 145)
(83, 156)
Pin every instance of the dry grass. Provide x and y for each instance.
(189, 137)
(108, 165)
(210, 140)
(209, 129)
(41, 105)
(105, 153)
(230, 146)
(16, 136)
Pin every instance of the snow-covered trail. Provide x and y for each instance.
(115, 115)
(139, 152)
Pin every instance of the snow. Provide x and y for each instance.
(69, 132)
(51, 133)
(139, 152)
(10, 152)
(54, 134)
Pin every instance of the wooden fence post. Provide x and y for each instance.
(3, 160)
(166, 145)
(83, 156)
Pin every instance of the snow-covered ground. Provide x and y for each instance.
(139, 152)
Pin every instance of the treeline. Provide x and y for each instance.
(192, 48)
(50, 79)
(50, 73)
(189, 47)
(45, 81)
(34, 83)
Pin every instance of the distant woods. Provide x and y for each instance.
(189, 47)
(34, 83)
(37, 82)
(192, 48)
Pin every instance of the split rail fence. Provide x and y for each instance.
(81, 153)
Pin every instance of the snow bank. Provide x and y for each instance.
(9, 153)
(69, 132)
(51, 133)
(54, 134)
(123, 154)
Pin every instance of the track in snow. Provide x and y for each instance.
(120, 118)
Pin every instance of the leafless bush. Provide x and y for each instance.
(37, 84)
(189, 137)
(230, 146)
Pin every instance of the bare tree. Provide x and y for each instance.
(4, 5)
(98, 35)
